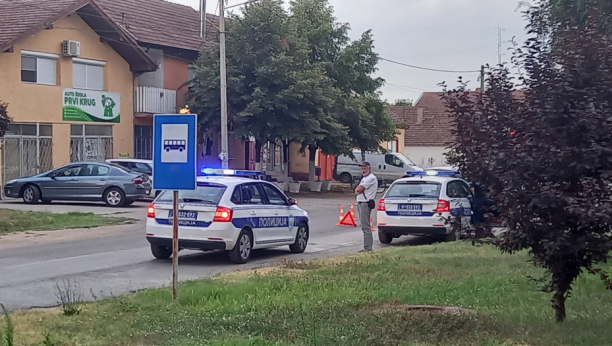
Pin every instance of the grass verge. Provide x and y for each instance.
(351, 300)
(12, 221)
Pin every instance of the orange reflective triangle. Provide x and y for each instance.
(348, 220)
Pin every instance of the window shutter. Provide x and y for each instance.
(47, 71)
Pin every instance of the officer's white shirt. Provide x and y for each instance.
(371, 184)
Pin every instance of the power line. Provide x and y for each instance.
(426, 68)
(404, 89)
(406, 86)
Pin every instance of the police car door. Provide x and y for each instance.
(281, 227)
(254, 209)
(459, 202)
(466, 198)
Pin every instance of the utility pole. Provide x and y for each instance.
(482, 78)
(499, 44)
(203, 19)
(223, 76)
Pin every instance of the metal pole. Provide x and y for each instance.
(203, 19)
(174, 245)
(223, 77)
(482, 78)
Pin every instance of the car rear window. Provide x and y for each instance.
(204, 193)
(415, 189)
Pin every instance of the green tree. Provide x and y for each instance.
(402, 102)
(273, 91)
(5, 120)
(351, 65)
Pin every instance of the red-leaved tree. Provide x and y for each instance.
(545, 152)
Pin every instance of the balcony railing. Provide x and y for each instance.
(154, 100)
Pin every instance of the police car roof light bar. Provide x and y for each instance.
(230, 173)
(434, 173)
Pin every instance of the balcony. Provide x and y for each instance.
(154, 100)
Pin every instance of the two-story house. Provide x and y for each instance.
(170, 34)
(67, 71)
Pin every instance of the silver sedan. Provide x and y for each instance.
(81, 181)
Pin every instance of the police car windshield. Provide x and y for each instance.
(415, 189)
(204, 193)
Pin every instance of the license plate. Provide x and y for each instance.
(184, 214)
(148, 192)
(412, 207)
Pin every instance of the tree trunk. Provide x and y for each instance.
(363, 154)
(311, 162)
(559, 305)
(258, 155)
(286, 161)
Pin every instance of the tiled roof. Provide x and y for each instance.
(433, 126)
(424, 127)
(431, 100)
(161, 22)
(26, 17)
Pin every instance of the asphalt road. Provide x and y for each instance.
(117, 260)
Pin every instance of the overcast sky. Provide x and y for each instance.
(439, 34)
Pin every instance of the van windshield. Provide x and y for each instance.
(404, 159)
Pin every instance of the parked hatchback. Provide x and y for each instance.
(138, 166)
(81, 181)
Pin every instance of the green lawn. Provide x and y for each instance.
(352, 300)
(17, 220)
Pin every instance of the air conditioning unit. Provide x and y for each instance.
(71, 48)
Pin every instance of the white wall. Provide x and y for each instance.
(154, 79)
(421, 156)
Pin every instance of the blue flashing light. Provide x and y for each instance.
(435, 173)
(207, 171)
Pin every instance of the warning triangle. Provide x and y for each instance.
(348, 220)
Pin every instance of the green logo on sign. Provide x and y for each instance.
(108, 104)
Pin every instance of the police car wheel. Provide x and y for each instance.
(242, 250)
(161, 252)
(301, 239)
(452, 236)
(385, 238)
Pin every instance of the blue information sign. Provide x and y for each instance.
(174, 151)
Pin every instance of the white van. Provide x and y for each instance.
(388, 167)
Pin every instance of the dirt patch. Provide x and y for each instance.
(28, 238)
(439, 309)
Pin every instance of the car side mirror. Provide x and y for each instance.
(292, 201)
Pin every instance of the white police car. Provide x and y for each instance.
(420, 204)
(229, 211)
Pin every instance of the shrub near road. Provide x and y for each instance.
(353, 300)
(17, 220)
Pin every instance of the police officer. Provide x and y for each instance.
(366, 195)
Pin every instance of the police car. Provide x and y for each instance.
(230, 210)
(420, 203)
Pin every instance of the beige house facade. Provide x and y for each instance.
(68, 76)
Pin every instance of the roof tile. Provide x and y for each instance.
(161, 22)
(17, 17)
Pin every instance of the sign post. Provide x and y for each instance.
(174, 166)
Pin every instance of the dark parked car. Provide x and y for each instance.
(81, 181)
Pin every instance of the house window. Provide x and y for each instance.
(392, 146)
(39, 68)
(87, 74)
(91, 143)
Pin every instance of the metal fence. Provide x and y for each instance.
(93, 149)
(24, 156)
